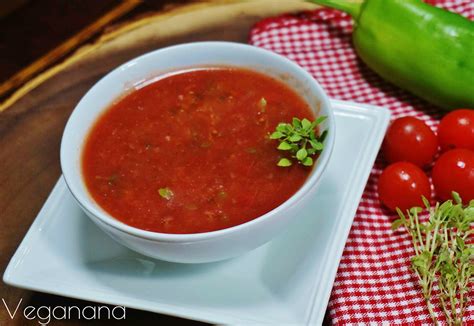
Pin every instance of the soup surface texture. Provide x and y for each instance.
(190, 152)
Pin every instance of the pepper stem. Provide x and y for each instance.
(352, 7)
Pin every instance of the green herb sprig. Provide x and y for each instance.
(300, 140)
(166, 193)
(444, 253)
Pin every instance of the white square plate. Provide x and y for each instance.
(288, 280)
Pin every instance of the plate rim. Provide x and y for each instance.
(382, 116)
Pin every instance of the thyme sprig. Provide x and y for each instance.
(300, 140)
(444, 253)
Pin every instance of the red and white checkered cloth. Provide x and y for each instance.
(374, 283)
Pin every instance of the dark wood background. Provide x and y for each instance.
(31, 28)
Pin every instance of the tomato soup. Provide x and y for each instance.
(190, 151)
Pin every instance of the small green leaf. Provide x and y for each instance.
(456, 197)
(301, 154)
(296, 123)
(460, 242)
(316, 145)
(308, 161)
(282, 127)
(276, 135)
(295, 138)
(323, 136)
(396, 224)
(284, 146)
(166, 193)
(284, 162)
(443, 255)
(306, 124)
(418, 264)
(320, 119)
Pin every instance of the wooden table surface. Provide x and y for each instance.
(31, 128)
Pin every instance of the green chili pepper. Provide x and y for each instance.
(424, 49)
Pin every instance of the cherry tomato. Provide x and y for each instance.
(456, 130)
(402, 184)
(410, 139)
(454, 171)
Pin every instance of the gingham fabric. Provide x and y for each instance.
(374, 283)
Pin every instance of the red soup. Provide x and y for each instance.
(190, 152)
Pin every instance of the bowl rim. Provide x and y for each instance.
(87, 203)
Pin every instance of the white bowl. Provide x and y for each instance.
(199, 247)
